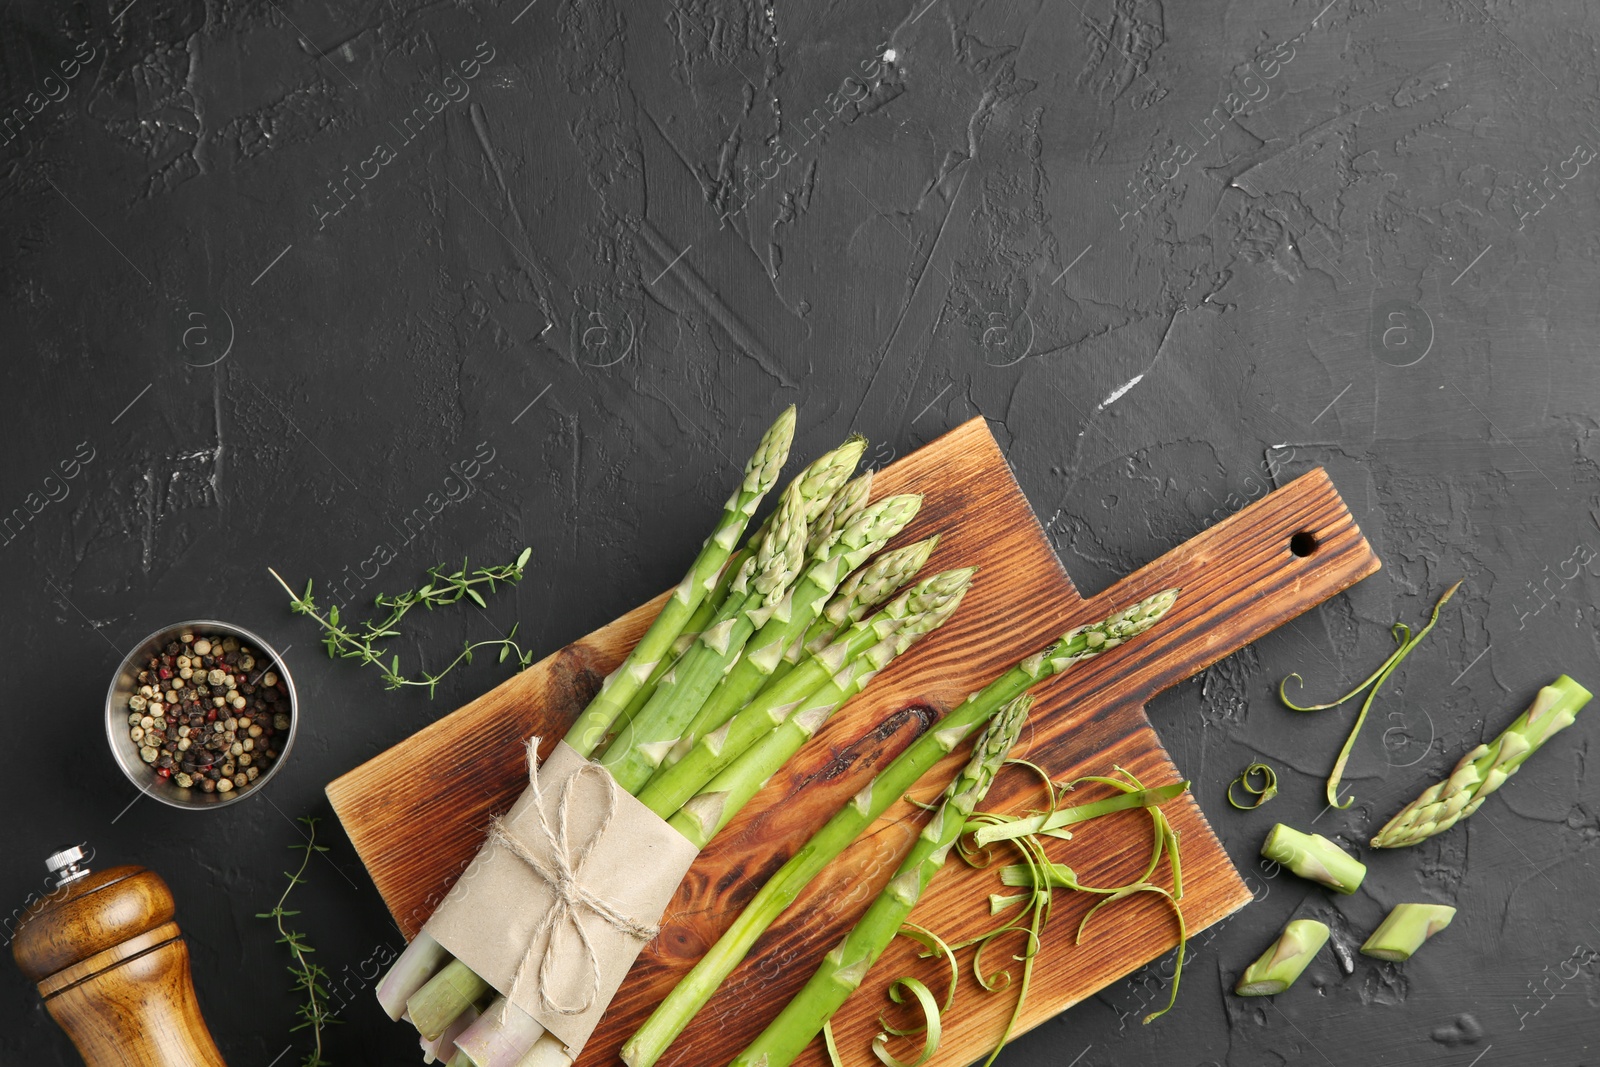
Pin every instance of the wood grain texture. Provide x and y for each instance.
(1240, 579)
(112, 956)
(114, 971)
(140, 1013)
(87, 916)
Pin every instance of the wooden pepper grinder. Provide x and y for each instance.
(113, 968)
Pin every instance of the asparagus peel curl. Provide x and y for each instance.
(1406, 641)
(989, 833)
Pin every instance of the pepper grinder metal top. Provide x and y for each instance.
(64, 865)
(113, 968)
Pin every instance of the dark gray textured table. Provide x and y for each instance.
(273, 270)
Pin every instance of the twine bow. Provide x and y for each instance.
(562, 872)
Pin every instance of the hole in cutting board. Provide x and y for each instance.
(1303, 543)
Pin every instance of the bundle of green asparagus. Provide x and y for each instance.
(753, 651)
(620, 686)
(692, 993)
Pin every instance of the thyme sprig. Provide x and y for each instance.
(310, 979)
(362, 642)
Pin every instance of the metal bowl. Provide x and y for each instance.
(126, 683)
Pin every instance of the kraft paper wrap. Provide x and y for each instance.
(497, 918)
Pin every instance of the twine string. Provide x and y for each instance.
(562, 870)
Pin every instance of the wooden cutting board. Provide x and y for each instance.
(417, 813)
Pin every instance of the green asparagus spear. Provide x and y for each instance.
(835, 516)
(1485, 768)
(821, 514)
(419, 962)
(816, 491)
(844, 506)
(680, 693)
(858, 594)
(449, 992)
(1285, 959)
(759, 475)
(703, 616)
(639, 748)
(835, 557)
(844, 968)
(697, 987)
(729, 769)
(820, 484)
(841, 511)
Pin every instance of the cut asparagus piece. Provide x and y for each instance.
(838, 555)
(690, 995)
(639, 748)
(410, 971)
(864, 590)
(501, 1036)
(844, 968)
(1315, 857)
(763, 737)
(1399, 936)
(619, 687)
(450, 992)
(1485, 768)
(1284, 960)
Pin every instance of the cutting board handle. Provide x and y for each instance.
(1247, 575)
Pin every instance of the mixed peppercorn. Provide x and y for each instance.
(208, 714)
